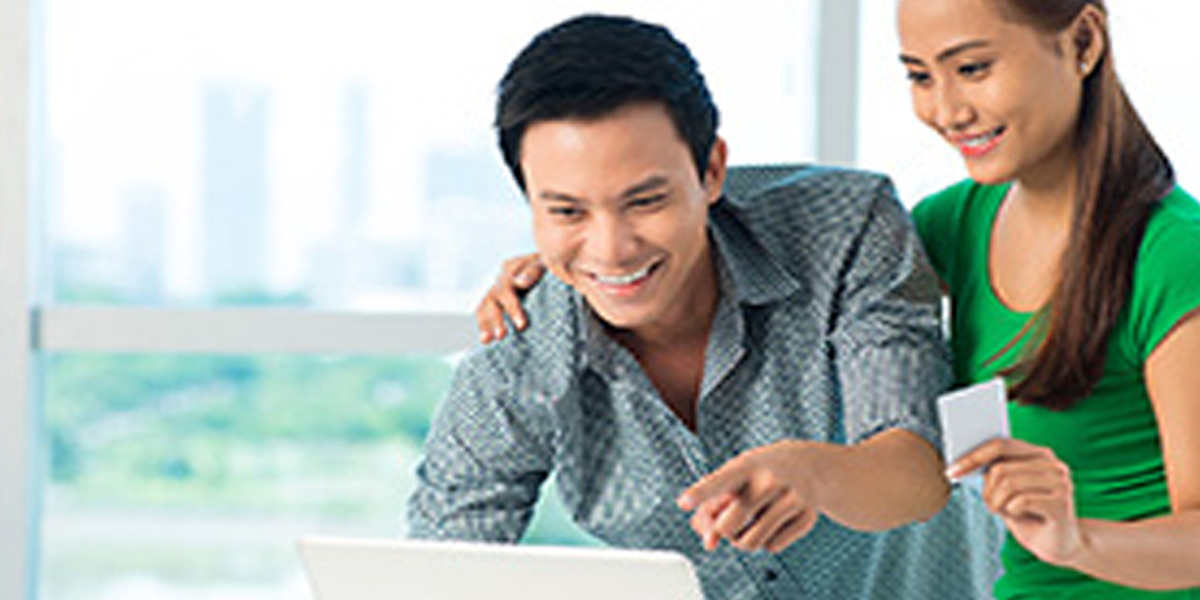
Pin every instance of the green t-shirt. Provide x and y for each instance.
(1110, 439)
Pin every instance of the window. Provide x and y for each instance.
(341, 157)
(260, 226)
(1145, 43)
(174, 477)
(890, 139)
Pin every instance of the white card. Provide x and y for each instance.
(970, 417)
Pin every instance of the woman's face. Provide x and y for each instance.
(1005, 95)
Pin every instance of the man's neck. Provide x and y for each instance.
(672, 353)
(687, 323)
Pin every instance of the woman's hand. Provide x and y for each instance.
(516, 277)
(1030, 489)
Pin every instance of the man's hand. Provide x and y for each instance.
(762, 499)
(769, 497)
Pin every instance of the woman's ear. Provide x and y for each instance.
(1089, 35)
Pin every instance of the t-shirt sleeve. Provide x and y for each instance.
(936, 219)
(1166, 284)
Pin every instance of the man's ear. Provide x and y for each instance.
(715, 171)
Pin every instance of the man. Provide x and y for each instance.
(703, 368)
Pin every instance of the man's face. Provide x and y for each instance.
(620, 214)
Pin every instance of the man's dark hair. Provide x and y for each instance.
(589, 67)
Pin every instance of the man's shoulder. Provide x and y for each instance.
(801, 179)
(816, 197)
(797, 210)
(540, 354)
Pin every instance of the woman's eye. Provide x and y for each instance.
(974, 69)
(917, 77)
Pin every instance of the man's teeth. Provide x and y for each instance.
(976, 142)
(623, 279)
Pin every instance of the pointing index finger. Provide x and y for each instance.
(728, 480)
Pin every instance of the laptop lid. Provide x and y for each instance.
(379, 569)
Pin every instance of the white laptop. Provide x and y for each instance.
(379, 569)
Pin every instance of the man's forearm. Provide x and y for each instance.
(889, 480)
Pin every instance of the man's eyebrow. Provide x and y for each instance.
(948, 53)
(557, 197)
(650, 183)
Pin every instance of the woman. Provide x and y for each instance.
(1070, 257)
(1071, 260)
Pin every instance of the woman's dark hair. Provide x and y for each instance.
(1122, 176)
(589, 67)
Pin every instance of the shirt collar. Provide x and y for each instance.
(755, 274)
(747, 274)
(598, 350)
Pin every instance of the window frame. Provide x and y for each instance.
(31, 327)
(19, 507)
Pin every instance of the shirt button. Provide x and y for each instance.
(770, 575)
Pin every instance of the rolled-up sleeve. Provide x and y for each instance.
(891, 359)
(486, 458)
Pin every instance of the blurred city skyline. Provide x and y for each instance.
(463, 207)
(341, 156)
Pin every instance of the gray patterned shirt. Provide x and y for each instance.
(827, 328)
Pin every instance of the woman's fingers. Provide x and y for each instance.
(1008, 480)
(489, 318)
(517, 275)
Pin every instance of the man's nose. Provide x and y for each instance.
(612, 240)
